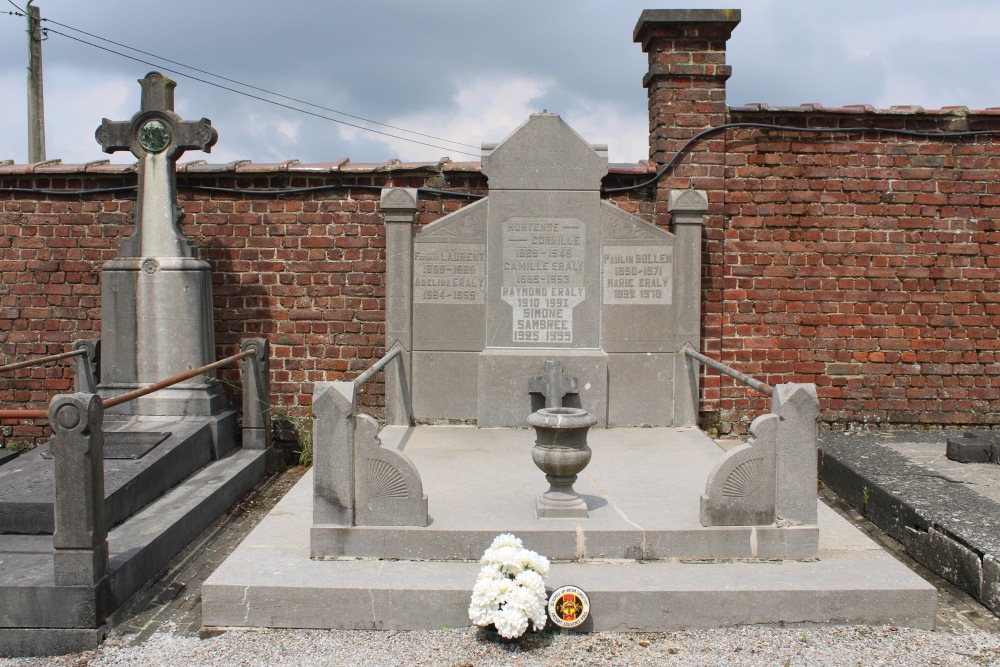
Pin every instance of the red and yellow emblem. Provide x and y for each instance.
(568, 607)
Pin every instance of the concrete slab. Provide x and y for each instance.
(26, 485)
(31, 642)
(483, 482)
(946, 514)
(270, 581)
(31, 603)
(7, 455)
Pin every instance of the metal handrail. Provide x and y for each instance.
(148, 389)
(377, 366)
(41, 360)
(763, 388)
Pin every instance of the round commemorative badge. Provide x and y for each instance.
(569, 607)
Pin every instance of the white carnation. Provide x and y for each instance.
(510, 591)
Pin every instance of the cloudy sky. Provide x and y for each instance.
(465, 71)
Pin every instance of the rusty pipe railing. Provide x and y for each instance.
(138, 393)
(41, 360)
(377, 366)
(403, 415)
(763, 388)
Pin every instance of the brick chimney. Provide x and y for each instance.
(686, 84)
(687, 88)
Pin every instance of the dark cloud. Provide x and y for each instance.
(396, 59)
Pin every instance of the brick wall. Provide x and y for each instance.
(305, 271)
(865, 262)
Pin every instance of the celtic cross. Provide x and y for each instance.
(157, 137)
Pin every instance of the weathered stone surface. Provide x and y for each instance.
(447, 386)
(561, 452)
(399, 206)
(633, 475)
(7, 455)
(798, 408)
(156, 297)
(741, 489)
(970, 448)
(991, 583)
(333, 453)
(31, 642)
(638, 265)
(644, 374)
(80, 537)
(85, 367)
(157, 137)
(358, 482)
(525, 160)
(387, 488)
(26, 490)
(544, 267)
(950, 527)
(256, 380)
(504, 374)
(853, 581)
(449, 282)
(687, 209)
(552, 386)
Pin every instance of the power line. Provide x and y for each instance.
(252, 87)
(256, 97)
(16, 7)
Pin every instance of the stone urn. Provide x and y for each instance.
(561, 452)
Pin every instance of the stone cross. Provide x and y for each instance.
(553, 385)
(157, 137)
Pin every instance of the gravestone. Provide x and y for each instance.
(542, 270)
(156, 297)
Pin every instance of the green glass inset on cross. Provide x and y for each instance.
(154, 136)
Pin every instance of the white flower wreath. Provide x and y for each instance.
(510, 590)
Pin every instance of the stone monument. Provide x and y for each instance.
(544, 270)
(536, 306)
(156, 296)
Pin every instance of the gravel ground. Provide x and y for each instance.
(465, 647)
(160, 627)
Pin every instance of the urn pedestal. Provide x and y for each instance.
(561, 452)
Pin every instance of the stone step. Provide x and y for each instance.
(270, 581)
(139, 549)
(7, 455)
(26, 486)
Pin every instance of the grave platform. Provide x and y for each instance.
(642, 556)
(27, 485)
(155, 504)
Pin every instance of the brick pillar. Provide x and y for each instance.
(686, 84)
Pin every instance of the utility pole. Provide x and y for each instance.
(36, 103)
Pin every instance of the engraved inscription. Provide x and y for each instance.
(449, 273)
(543, 277)
(641, 275)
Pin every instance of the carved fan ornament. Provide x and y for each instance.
(743, 480)
(386, 480)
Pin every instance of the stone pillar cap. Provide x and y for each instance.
(662, 17)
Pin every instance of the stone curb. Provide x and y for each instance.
(944, 525)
